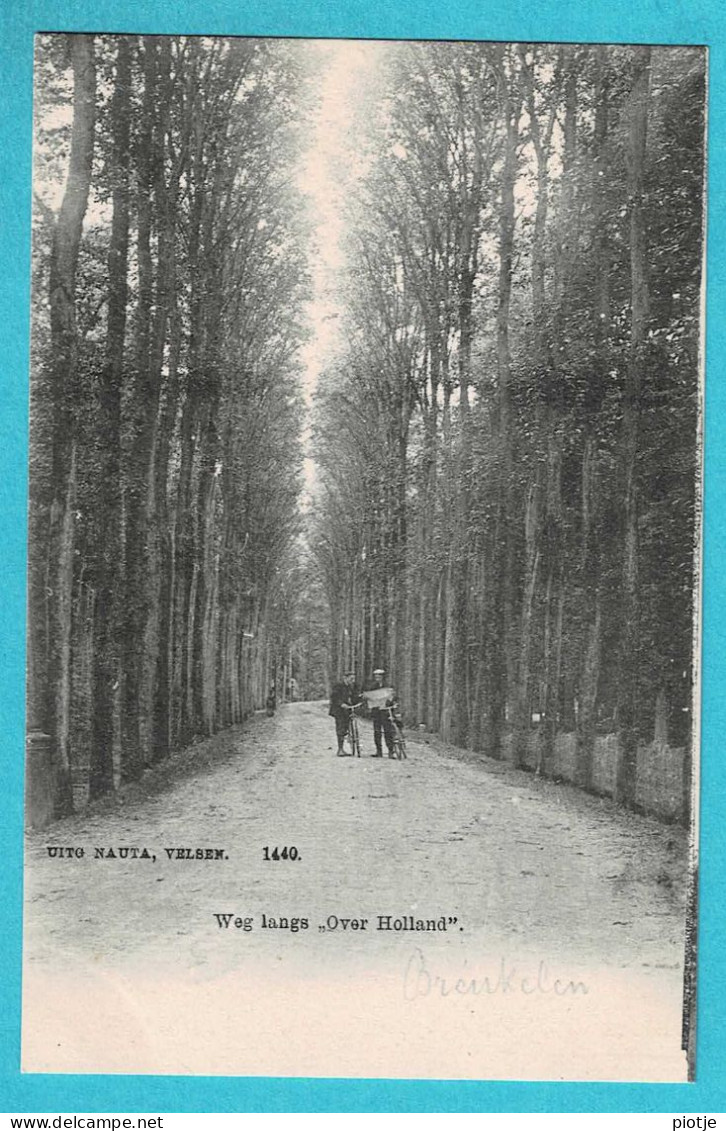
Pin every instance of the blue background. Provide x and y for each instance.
(644, 21)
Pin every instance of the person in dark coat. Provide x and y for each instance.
(382, 724)
(344, 696)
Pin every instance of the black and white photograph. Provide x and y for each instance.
(364, 558)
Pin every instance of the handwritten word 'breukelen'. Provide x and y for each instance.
(420, 981)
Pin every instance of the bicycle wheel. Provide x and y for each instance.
(355, 737)
(399, 746)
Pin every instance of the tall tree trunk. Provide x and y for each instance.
(106, 671)
(162, 730)
(590, 547)
(143, 413)
(629, 706)
(64, 375)
(541, 490)
(555, 523)
(500, 606)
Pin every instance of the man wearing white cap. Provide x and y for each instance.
(379, 698)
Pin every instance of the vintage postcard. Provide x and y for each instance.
(365, 427)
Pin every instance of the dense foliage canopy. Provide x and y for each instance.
(508, 444)
(505, 514)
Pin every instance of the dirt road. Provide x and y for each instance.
(550, 946)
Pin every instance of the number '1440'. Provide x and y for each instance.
(280, 853)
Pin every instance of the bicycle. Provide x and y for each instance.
(399, 742)
(352, 737)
